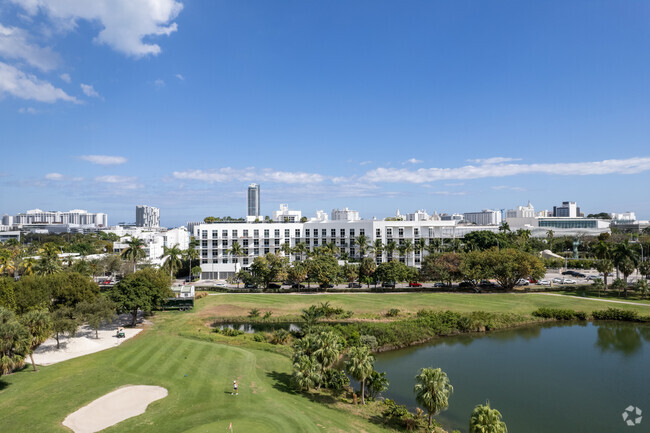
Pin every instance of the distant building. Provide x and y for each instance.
(253, 200)
(147, 216)
(418, 215)
(618, 217)
(486, 217)
(154, 239)
(6, 235)
(345, 214)
(7, 220)
(286, 215)
(76, 220)
(527, 211)
(569, 209)
(452, 217)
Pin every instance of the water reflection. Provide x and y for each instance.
(249, 328)
(623, 338)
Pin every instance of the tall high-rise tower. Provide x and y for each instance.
(253, 200)
(147, 216)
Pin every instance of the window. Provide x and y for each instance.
(297, 233)
(204, 234)
(204, 253)
(224, 233)
(256, 251)
(351, 233)
(256, 242)
(215, 253)
(245, 233)
(307, 242)
(352, 252)
(315, 233)
(234, 233)
(277, 242)
(287, 233)
(306, 232)
(266, 250)
(224, 260)
(204, 243)
(323, 232)
(215, 244)
(378, 233)
(333, 233)
(204, 260)
(401, 232)
(213, 261)
(256, 233)
(276, 233)
(389, 232)
(245, 261)
(342, 233)
(224, 243)
(416, 232)
(246, 252)
(362, 232)
(266, 233)
(266, 242)
(215, 234)
(430, 232)
(315, 242)
(245, 242)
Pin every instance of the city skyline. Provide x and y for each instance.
(443, 106)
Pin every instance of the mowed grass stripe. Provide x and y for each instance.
(173, 365)
(145, 351)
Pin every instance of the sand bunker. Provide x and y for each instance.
(114, 407)
(83, 343)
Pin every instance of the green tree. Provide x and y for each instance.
(377, 248)
(70, 288)
(191, 254)
(39, 327)
(324, 269)
(144, 290)
(328, 350)
(606, 266)
(363, 242)
(305, 373)
(236, 250)
(367, 270)
(301, 249)
(641, 287)
(406, 248)
(64, 322)
(350, 272)
(432, 390)
(97, 312)
(134, 251)
(390, 247)
(173, 259)
(297, 273)
(504, 227)
(268, 268)
(359, 366)
(392, 271)
(509, 266)
(7, 293)
(14, 342)
(484, 419)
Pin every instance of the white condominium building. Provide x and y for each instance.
(486, 217)
(154, 241)
(256, 239)
(345, 214)
(75, 216)
(147, 216)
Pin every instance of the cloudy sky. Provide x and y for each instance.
(447, 106)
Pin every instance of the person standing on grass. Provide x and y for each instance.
(234, 385)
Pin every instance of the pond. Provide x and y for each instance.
(553, 378)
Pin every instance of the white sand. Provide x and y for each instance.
(113, 407)
(83, 343)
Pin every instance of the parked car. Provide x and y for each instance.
(567, 273)
(388, 284)
(568, 281)
(544, 283)
(522, 282)
(465, 285)
(354, 285)
(593, 277)
(326, 286)
(250, 286)
(558, 280)
(532, 281)
(297, 286)
(487, 283)
(579, 275)
(439, 285)
(415, 284)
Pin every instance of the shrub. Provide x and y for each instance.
(559, 314)
(617, 314)
(393, 312)
(280, 336)
(230, 332)
(200, 295)
(335, 380)
(259, 337)
(254, 313)
(267, 315)
(369, 340)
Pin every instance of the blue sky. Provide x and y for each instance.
(374, 105)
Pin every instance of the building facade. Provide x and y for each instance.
(253, 209)
(75, 216)
(486, 217)
(345, 214)
(147, 216)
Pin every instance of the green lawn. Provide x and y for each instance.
(198, 373)
(198, 376)
(369, 305)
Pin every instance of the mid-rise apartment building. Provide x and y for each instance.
(147, 216)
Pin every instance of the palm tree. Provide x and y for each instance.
(305, 372)
(39, 326)
(7, 262)
(432, 390)
(328, 351)
(601, 250)
(377, 248)
(191, 253)
(173, 255)
(359, 366)
(300, 249)
(15, 342)
(420, 245)
(27, 265)
(390, 247)
(504, 227)
(549, 238)
(362, 241)
(134, 251)
(236, 250)
(486, 420)
(624, 252)
(286, 249)
(434, 245)
(406, 248)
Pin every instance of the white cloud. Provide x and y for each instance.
(125, 23)
(14, 44)
(365, 162)
(180, 77)
(492, 169)
(448, 193)
(89, 90)
(54, 176)
(228, 174)
(511, 188)
(494, 160)
(26, 86)
(27, 110)
(104, 159)
(119, 182)
(159, 83)
(412, 161)
(65, 77)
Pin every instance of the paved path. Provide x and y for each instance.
(594, 299)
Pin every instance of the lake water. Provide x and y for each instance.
(543, 379)
(249, 328)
